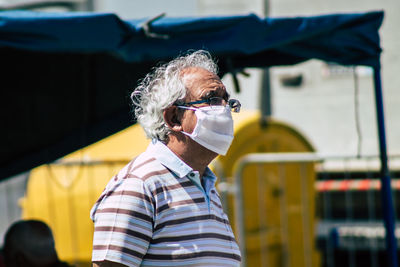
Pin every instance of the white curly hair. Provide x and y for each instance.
(162, 88)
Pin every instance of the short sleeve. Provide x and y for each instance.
(123, 223)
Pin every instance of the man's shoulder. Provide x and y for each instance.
(131, 180)
(142, 167)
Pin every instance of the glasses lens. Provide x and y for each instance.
(235, 105)
(217, 101)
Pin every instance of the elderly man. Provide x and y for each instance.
(162, 209)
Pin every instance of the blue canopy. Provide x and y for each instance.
(66, 77)
(342, 38)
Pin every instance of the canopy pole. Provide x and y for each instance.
(265, 97)
(387, 200)
(266, 102)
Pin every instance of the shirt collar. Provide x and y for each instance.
(168, 158)
(210, 175)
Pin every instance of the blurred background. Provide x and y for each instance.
(322, 109)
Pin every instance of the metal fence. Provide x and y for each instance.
(340, 217)
(350, 229)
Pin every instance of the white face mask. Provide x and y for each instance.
(214, 128)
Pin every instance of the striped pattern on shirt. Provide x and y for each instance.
(147, 216)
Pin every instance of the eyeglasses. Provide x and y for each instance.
(215, 101)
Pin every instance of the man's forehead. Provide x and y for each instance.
(194, 77)
(197, 73)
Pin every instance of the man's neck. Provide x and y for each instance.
(190, 152)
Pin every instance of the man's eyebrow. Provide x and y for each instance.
(213, 93)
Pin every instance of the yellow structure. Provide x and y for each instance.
(62, 194)
(279, 198)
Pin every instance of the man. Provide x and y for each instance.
(30, 243)
(162, 209)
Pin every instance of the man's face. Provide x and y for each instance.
(201, 84)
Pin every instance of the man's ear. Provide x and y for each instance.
(172, 118)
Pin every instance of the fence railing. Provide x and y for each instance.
(341, 218)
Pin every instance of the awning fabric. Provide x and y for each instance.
(66, 77)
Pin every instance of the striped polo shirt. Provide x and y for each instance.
(156, 212)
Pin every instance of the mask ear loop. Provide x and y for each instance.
(184, 107)
(196, 128)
